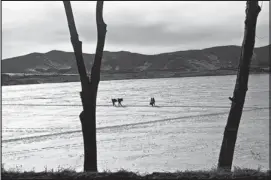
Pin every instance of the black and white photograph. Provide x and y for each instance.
(135, 89)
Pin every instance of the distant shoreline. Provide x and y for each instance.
(20, 79)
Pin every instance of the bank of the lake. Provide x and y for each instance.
(16, 79)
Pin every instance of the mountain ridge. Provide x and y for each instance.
(57, 61)
(217, 60)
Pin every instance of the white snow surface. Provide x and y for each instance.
(41, 127)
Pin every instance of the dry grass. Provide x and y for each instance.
(66, 174)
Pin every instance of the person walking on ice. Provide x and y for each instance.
(152, 102)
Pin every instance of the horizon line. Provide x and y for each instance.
(131, 52)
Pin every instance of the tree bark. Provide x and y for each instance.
(89, 88)
(239, 94)
(77, 45)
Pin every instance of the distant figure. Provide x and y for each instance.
(114, 101)
(119, 101)
(152, 102)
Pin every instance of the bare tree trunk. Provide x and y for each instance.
(89, 88)
(239, 94)
(77, 45)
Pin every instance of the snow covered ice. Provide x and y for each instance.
(41, 126)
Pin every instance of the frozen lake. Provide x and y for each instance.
(41, 127)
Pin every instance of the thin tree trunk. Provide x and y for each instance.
(77, 45)
(241, 87)
(89, 88)
(88, 116)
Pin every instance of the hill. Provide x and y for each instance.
(123, 64)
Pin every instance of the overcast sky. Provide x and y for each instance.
(144, 27)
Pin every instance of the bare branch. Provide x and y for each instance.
(77, 45)
(101, 31)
